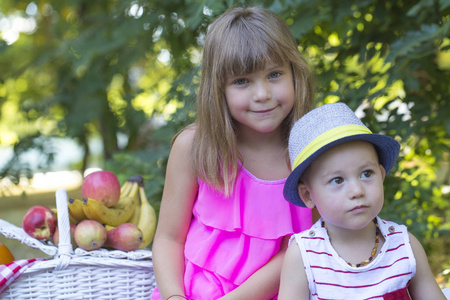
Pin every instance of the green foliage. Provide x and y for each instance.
(114, 67)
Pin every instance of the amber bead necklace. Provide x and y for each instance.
(374, 250)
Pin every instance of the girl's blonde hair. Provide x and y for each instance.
(240, 41)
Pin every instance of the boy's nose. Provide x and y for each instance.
(356, 190)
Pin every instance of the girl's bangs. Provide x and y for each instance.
(244, 55)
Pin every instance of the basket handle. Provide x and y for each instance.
(64, 246)
(65, 250)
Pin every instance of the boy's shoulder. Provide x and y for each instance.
(315, 230)
(390, 227)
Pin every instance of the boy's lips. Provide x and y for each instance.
(359, 208)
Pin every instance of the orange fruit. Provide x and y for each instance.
(5, 255)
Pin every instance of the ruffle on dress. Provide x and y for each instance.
(232, 237)
(235, 236)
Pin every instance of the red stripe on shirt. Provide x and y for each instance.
(351, 272)
(311, 251)
(362, 286)
(393, 249)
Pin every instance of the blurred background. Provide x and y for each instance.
(107, 83)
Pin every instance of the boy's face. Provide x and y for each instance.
(346, 185)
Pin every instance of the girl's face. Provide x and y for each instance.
(260, 101)
(346, 185)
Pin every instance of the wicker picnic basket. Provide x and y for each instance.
(79, 274)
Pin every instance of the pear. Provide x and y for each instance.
(125, 237)
(90, 235)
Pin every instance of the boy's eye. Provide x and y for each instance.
(337, 180)
(274, 75)
(366, 174)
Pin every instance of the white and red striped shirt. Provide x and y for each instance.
(330, 277)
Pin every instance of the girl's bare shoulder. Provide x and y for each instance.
(185, 137)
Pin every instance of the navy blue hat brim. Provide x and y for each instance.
(386, 147)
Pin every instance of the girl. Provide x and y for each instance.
(224, 225)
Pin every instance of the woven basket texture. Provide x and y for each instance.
(79, 274)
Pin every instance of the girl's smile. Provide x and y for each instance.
(261, 100)
(263, 111)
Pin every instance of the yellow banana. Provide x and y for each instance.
(125, 189)
(147, 219)
(115, 215)
(136, 214)
(71, 219)
(109, 227)
(76, 210)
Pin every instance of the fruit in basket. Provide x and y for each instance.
(116, 215)
(39, 222)
(90, 235)
(136, 214)
(125, 237)
(5, 255)
(103, 186)
(147, 219)
(76, 210)
(55, 212)
(72, 238)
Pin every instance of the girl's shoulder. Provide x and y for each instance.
(181, 148)
(185, 137)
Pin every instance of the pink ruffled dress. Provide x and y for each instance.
(232, 237)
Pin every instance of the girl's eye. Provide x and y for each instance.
(240, 81)
(337, 180)
(366, 174)
(274, 75)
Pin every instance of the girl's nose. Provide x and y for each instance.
(262, 92)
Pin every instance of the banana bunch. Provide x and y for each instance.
(119, 213)
(76, 211)
(144, 215)
(133, 207)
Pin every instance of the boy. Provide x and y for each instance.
(339, 167)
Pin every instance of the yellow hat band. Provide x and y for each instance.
(328, 137)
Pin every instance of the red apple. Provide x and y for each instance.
(103, 186)
(125, 237)
(72, 232)
(39, 222)
(90, 235)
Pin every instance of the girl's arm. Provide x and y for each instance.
(175, 215)
(423, 285)
(294, 284)
(264, 283)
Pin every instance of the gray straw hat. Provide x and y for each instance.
(323, 128)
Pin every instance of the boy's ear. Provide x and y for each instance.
(383, 172)
(305, 195)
